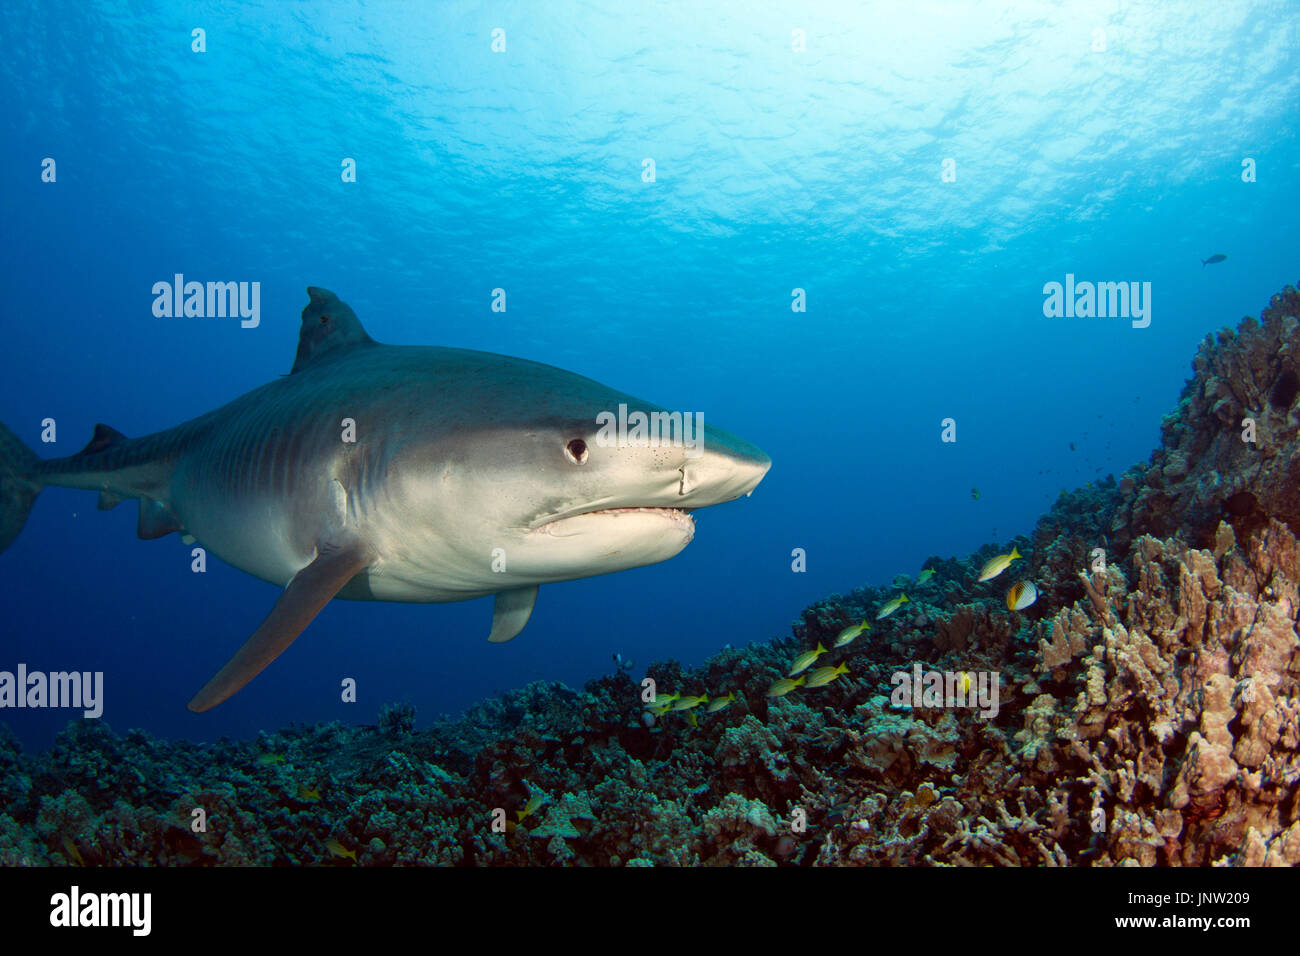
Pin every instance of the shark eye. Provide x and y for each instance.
(576, 451)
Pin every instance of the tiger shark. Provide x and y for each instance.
(377, 472)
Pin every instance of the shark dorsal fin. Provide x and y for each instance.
(103, 438)
(329, 327)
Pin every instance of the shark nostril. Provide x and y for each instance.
(687, 484)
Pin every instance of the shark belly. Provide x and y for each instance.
(253, 535)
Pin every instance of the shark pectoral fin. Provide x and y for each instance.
(511, 612)
(309, 591)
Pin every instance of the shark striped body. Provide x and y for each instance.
(398, 473)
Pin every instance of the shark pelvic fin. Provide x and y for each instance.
(156, 519)
(309, 591)
(109, 500)
(511, 612)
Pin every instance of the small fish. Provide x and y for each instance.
(975, 494)
(804, 660)
(308, 795)
(851, 632)
(824, 675)
(1021, 595)
(719, 703)
(891, 607)
(74, 855)
(965, 684)
(267, 760)
(531, 807)
(692, 719)
(784, 686)
(689, 703)
(996, 566)
(924, 576)
(661, 704)
(1217, 257)
(338, 849)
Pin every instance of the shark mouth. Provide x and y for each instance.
(677, 516)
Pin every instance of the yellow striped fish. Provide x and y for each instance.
(70, 848)
(824, 675)
(689, 703)
(784, 686)
(718, 703)
(804, 660)
(999, 564)
(534, 803)
(892, 606)
(662, 703)
(850, 633)
(338, 849)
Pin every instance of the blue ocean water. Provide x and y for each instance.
(1112, 157)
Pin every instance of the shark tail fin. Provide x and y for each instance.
(19, 484)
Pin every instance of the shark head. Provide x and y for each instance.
(611, 503)
(559, 477)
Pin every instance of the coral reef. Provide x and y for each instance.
(1208, 464)
(1147, 712)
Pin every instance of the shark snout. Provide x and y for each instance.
(726, 467)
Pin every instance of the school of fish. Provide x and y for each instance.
(802, 674)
